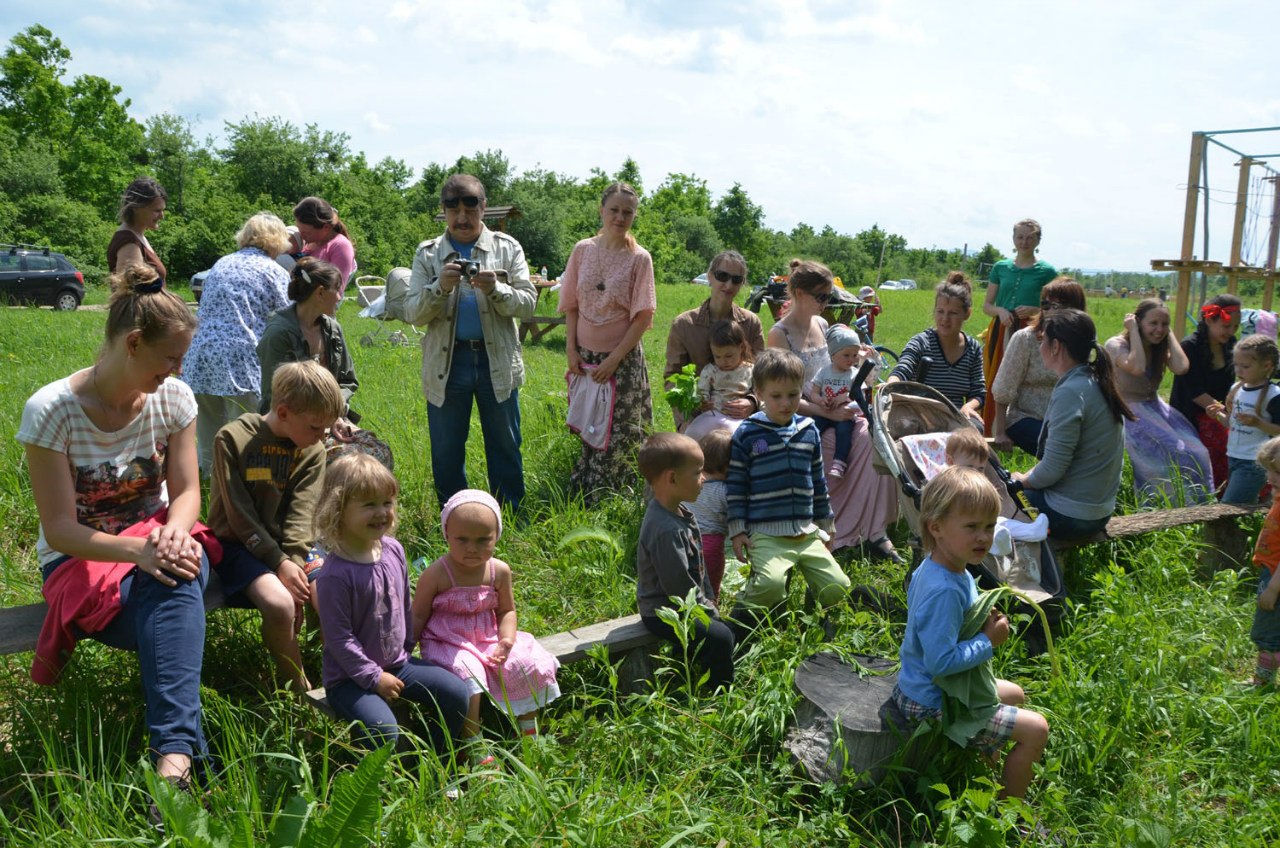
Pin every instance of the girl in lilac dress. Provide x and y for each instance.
(465, 617)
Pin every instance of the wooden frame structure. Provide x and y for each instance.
(1187, 263)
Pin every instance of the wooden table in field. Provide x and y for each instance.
(539, 325)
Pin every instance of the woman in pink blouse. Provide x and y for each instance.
(608, 299)
(325, 237)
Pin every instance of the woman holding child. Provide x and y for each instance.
(864, 502)
(1170, 465)
(689, 339)
(1082, 443)
(607, 295)
(112, 456)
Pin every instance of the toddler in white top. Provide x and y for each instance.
(726, 377)
(832, 388)
(1252, 415)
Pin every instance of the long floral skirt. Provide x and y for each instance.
(599, 473)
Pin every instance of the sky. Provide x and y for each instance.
(943, 122)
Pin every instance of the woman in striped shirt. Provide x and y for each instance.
(943, 356)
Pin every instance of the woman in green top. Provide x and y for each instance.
(1013, 297)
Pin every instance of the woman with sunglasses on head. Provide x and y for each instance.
(1200, 393)
(608, 298)
(1021, 388)
(864, 503)
(324, 236)
(690, 337)
(943, 356)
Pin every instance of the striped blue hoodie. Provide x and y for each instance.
(775, 482)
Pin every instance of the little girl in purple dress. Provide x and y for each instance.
(465, 618)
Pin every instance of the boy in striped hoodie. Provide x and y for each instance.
(779, 514)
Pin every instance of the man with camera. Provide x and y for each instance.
(471, 288)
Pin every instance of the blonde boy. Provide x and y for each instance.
(268, 471)
(967, 448)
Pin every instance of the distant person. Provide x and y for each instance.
(689, 339)
(240, 293)
(1170, 465)
(268, 472)
(1200, 393)
(1021, 389)
(471, 356)
(608, 297)
(870, 309)
(947, 648)
(324, 236)
(669, 558)
(1081, 451)
(1013, 295)
(943, 356)
(142, 207)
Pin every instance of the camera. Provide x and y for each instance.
(468, 268)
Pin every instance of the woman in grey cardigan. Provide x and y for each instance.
(1081, 446)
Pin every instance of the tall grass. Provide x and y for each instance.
(1153, 741)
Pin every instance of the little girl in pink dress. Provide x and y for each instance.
(464, 616)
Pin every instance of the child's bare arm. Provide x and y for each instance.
(423, 595)
(506, 612)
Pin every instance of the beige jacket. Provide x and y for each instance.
(512, 300)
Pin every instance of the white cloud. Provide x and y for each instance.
(373, 122)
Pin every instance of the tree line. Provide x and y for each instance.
(69, 147)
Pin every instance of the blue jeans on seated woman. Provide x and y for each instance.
(448, 425)
(1065, 527)
(164, 625)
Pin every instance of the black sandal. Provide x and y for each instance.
(883, 549)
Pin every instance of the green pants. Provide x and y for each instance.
(773, 556)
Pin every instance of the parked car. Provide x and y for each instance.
(701, 280)
(31, 274)
(898, 285)
(197, 283)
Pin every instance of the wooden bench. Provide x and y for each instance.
(1225, 546)
(625, 637)
(539, 325)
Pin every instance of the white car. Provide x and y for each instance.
(898, 285)
(701, 280)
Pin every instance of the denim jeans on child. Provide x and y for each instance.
(442, 693)
(1245, 481)
(449, 424)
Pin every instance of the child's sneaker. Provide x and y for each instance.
(838, 469)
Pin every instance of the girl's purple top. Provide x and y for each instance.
(364, 613)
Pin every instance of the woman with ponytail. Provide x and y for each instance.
(1082, 442)
(1200, 393)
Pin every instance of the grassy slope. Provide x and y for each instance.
(1151, 738)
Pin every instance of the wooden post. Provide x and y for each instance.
(1198, 143)
(1273, 241)
(1237, 226)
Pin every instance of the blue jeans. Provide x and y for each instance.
(1245, 481)
(1025, 433)
(844, 436)
(1063, 526)
(449, 425)
(442, 692)
(164, 626)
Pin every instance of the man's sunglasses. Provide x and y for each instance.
(470, 201)
(726, 277)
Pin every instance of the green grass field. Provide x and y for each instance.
(1153, 741)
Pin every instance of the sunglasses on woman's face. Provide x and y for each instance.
(470, 201)
(822, 297)
(1050, 304)
(726, 277)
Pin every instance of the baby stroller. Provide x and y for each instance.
(909, 423)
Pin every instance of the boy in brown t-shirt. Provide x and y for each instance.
(268, 471)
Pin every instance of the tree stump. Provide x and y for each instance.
(847, 723)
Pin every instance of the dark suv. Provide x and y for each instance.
(30, 274)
